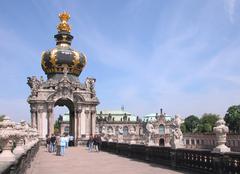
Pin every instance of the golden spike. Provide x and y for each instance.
(63, 25)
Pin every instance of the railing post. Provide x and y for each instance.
(173, 155)
(147, 158)
(218, 163)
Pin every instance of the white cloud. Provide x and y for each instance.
(230, 8)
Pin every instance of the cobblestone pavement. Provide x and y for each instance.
(79, 160)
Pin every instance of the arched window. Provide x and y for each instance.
(125, 130)
(161, 129)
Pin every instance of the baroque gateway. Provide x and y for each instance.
(63, 65)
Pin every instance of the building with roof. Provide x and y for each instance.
(153, 116)
(116, 115)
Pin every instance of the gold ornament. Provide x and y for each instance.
(64, 26)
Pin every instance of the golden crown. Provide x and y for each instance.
(63, 25)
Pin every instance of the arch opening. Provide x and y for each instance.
(64, 108)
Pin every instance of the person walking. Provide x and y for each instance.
(53, 143)
(58, 143)
(48, 143)
(62, 145)
(66, 140)
(95, 143)
(99, 142)
(90, 144)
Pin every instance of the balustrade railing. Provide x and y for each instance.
(18, 146)
(198, 161)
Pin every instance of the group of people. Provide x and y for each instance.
(94, 143)
(58, 143)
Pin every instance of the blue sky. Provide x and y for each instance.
(182, 56)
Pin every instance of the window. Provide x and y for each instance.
(161, 129)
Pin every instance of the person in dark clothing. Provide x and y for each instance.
(53, 143)
(95, 143)
(99, 142)
(48, 143)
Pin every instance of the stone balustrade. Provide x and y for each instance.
(193, 161)
(217, 160)
(19, 144)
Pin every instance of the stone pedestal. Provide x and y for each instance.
(120, 138)
(221, 149)
(133, 139)
(151, 143)
(6, 154)
(177, 144)
(19, 147)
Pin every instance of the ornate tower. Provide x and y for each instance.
(63, 65)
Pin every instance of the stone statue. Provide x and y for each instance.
(151, 131)
(150, 127)
(90, 82)
(19, 139)
(110, 130)
(34, 84)
(177, 136)
(221, 131)
(104, 130)
(120, 130)
(7, 137)
(132, 132)
(120, 134)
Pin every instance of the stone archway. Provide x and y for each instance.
(63, 66)
(70, 105)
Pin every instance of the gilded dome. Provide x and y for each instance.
(63, 56)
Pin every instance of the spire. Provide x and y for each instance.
(63, 25)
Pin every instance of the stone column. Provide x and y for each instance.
(87, 119)
(40, 123)
(33, 118)
(78, 115)
(50, 118)
(93, 122)
(33, 111)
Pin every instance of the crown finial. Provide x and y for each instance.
(64, 26)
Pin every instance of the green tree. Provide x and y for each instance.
(207, 122)
(1, 117)
(57, 126)
(232, 118)
(191, 123)
(183, 128)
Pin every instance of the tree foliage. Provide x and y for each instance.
(191, 123)
(232, 118)
(57, 126)
(1, 117)
(207, 122)
(183, 128)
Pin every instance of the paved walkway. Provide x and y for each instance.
(79, 160)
